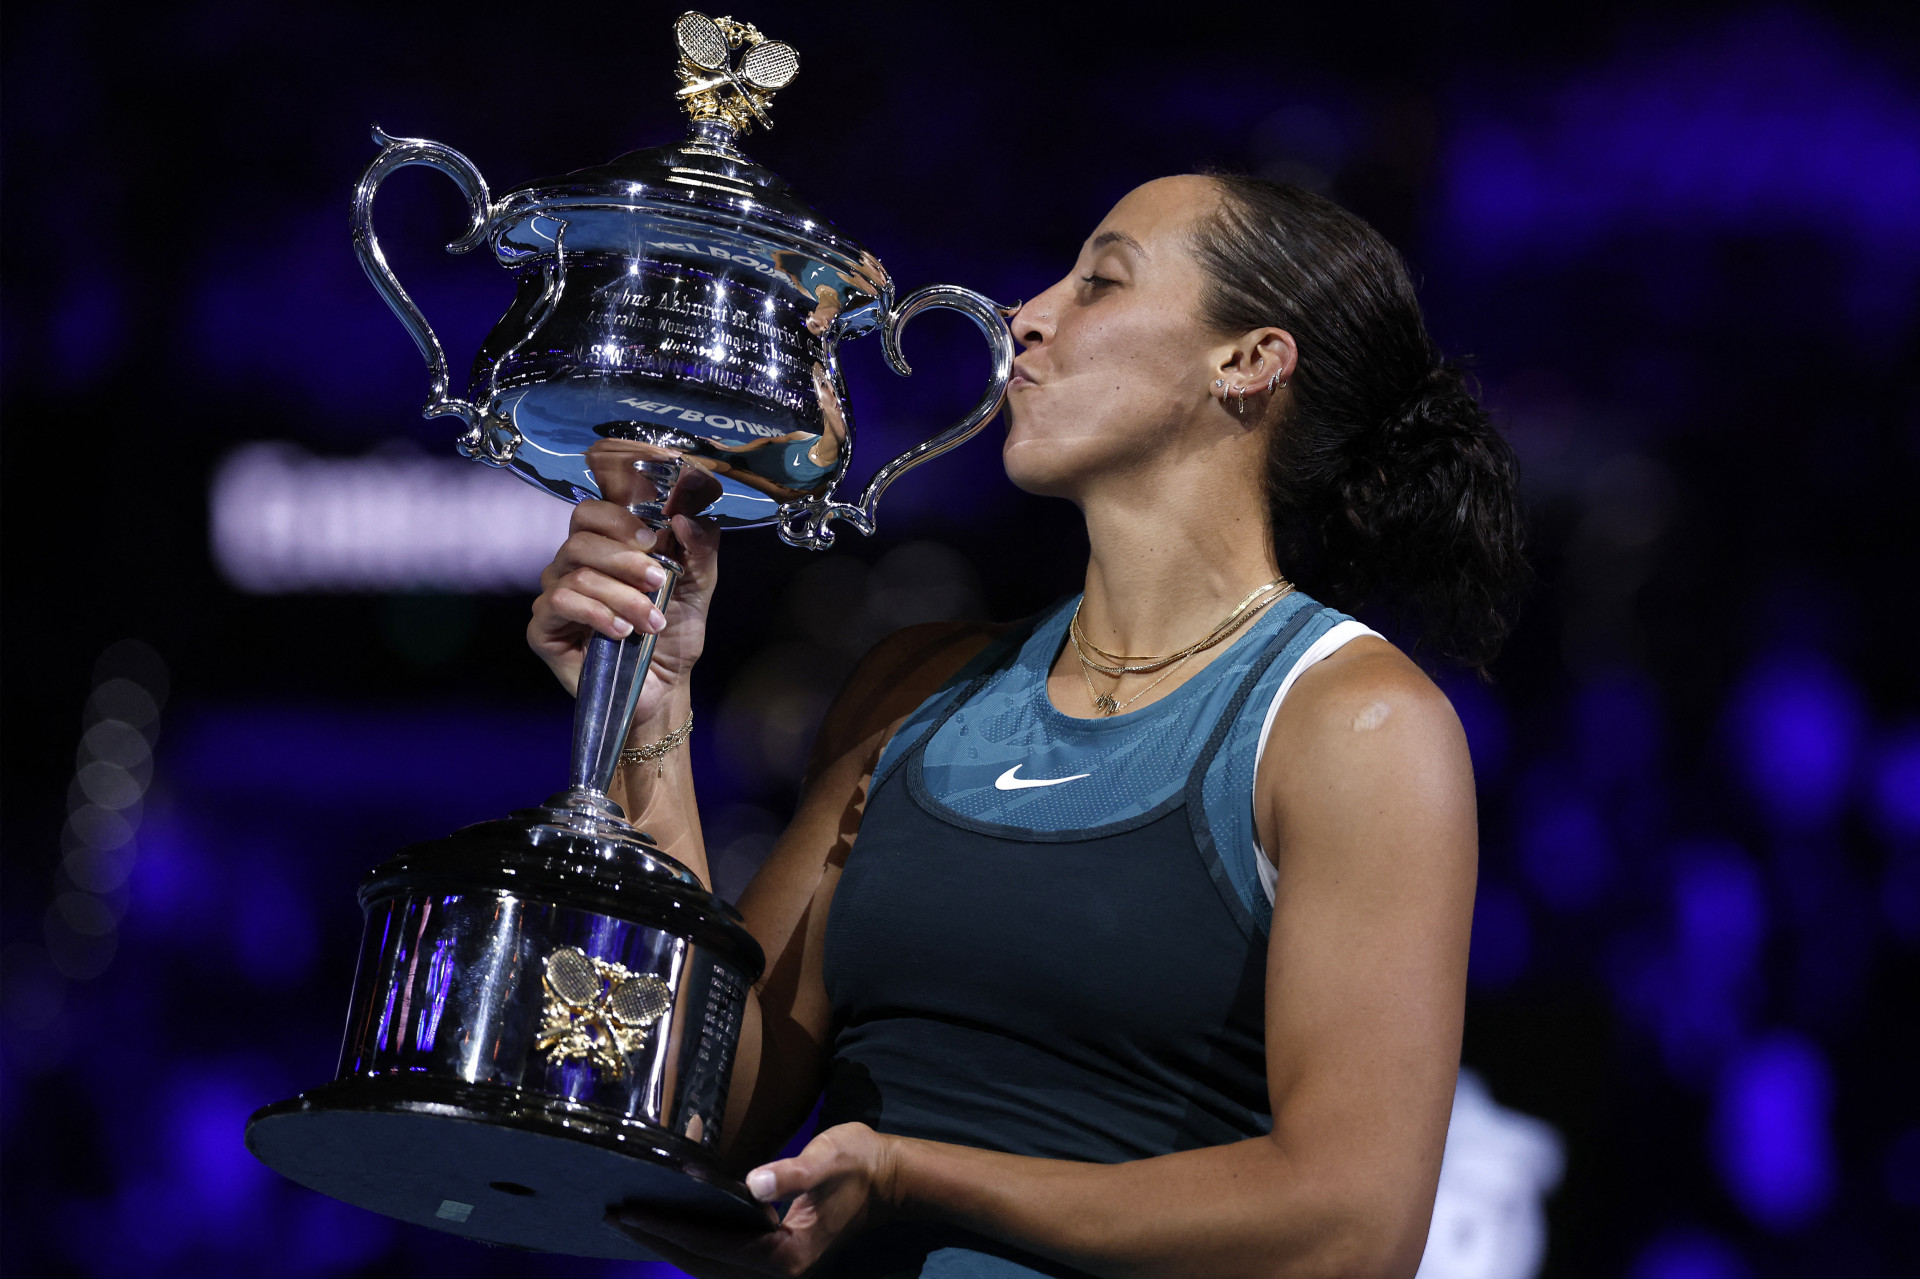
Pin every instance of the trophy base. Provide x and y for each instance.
(493, 1164)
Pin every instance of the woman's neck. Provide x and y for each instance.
(1170, 561)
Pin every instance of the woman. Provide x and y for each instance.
(1130, 940)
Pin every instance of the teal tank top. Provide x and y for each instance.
(983, 763)
(1049, 938)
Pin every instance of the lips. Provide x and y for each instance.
(1022, 374)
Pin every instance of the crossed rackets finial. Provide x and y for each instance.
(713, 87)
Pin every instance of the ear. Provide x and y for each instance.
(1260, 359)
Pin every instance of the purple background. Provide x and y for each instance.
(1680, 243)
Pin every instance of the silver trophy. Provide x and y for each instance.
(545, 1012)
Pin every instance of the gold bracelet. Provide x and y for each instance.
(658, 750)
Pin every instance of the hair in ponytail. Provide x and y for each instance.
(1386, 481)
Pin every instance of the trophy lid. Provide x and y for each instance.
(704, 188)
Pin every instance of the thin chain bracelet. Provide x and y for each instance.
(658, 750)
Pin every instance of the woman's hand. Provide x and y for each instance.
(603, 579)
(842, 1183)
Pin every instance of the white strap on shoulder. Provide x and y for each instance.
(1320, 648)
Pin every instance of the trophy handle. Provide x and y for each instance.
(398, 153)
(806, 525)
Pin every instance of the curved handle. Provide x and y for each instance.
(398, 153)
(807, 525)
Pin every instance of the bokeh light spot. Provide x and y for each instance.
(1896, 785)
(1795, 725)
(1770, 1132)
(1689, 1254)
(1565, 852)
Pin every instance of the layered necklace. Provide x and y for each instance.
(1116, 665)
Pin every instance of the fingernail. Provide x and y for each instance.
(656, 621)
(622, 627)
(655, 576)
(760, 1183)
(645, 538)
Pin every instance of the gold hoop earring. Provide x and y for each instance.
(1240, 401)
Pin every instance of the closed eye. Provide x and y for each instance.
(1097, 280)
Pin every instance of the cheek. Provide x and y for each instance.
(1134, 379)
(1113, 406)
(1126, 367)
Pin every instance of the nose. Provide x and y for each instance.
(1032, 324)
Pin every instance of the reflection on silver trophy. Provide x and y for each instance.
(546, 1006)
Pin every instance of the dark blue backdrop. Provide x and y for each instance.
(1679, 241)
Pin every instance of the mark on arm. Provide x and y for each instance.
(1371, 716)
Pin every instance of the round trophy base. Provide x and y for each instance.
(493, 1164)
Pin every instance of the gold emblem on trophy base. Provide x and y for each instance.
(597, 1011)
(713, 87)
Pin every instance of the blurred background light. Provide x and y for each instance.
(1564, 848)
(1690, 1254)
(1489, 1216)
(1896, 785)
(1764, 123)
(1795, 726)
(1771, 1136)
(283, 520)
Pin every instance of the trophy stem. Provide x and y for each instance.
(610, 684)
(615, 670)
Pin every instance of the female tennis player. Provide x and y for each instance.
(1130, 939)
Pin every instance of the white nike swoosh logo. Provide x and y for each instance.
(1007, 780)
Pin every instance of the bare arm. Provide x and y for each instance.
(1366, 793)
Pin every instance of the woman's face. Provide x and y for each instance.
(1117, 360)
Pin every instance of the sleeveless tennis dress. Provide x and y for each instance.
(1050, 936)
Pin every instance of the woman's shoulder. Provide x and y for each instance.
(900, 673)
(1367, 704)
(915, 662)
(1361, 686)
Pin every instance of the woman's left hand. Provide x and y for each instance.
(842, 1183)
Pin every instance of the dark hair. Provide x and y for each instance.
(1386, 482)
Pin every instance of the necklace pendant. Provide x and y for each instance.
(1105, 704)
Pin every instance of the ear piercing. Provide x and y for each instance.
(1238, 394)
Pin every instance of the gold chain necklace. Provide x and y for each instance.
(1117, 664)
(1105, 702)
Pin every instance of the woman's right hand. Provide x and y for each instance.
(602, 579)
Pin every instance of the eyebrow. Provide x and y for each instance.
(1105, 238)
